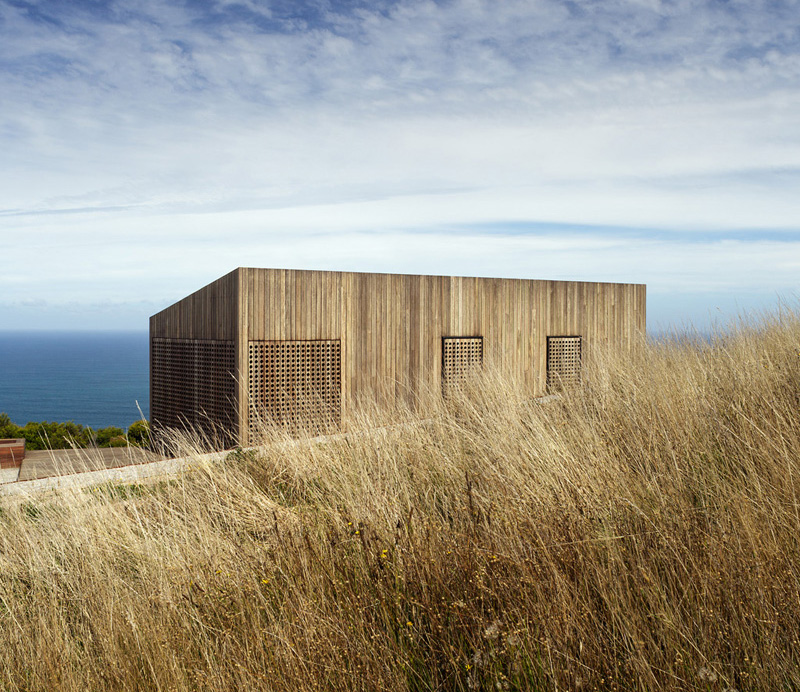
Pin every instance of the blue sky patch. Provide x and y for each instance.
(149, 148)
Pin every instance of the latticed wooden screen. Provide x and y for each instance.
(563, 362)
(296, 384)
(193, 386)
(461, 357)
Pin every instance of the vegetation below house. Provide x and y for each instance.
(641, 533)
(47, 435)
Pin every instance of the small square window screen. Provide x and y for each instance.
(563, 362)
(462, 356)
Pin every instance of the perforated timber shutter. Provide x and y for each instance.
(296, 384)
(193, 387)
(462, 356)
(563, 362)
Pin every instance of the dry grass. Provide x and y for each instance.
(642, 533)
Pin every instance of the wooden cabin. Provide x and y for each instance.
(306, 348)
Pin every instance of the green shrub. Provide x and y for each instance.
(50, 435)
(7, 428)
(139, 433)
(104, 436)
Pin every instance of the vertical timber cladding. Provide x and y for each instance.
(563, 362)
(193, 386)
(390, 328)
(462, 356)
(193, 363)
(296, 385)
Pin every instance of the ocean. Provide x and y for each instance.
(92, 378)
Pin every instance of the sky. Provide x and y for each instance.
(149, 147)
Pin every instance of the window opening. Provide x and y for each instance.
(462, 356)
(563, 362)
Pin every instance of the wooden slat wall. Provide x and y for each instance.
(391, 325)
(209, 313)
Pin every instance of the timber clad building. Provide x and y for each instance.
(305, 348)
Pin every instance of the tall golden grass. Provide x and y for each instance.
(640, 533)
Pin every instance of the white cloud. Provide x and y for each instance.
(349, 139)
